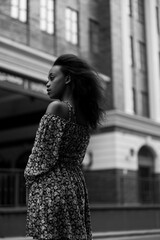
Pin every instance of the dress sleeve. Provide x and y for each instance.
(45, 151)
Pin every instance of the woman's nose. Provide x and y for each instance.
(47, 84)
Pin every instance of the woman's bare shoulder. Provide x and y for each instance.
(58, 108)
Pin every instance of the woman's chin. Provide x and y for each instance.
(50, 95)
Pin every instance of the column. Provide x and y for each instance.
(126, 53)
(152, 59)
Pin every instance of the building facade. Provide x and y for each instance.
(126, 152)
(120, 39)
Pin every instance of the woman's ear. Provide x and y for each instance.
(67, 79)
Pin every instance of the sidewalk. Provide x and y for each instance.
(115, 234)
(105, 235)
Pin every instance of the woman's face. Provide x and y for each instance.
(56, 83)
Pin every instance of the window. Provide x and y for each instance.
(94, 36)
(131, 52)
(142, 56)
(141, 11)
(157, 18)
(47, 16)
(72, 26)
(144, 104)
(19, 10)
(130, 7)
(134, 100)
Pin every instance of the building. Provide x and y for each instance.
(126, 151)
(121, 40)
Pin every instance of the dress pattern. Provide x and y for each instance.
(58, 205)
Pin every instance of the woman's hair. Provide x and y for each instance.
(86, 87)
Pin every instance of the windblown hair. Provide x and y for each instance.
(86, 87)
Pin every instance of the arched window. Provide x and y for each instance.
(146, 174)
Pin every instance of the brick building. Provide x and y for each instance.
(120, 39)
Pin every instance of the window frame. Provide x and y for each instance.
(142, 56)
(19, 10)
(130, 8)
(134, 95)
(141, 11)
(145, 103)
(69, 25)
(45, 19)
(132, 63)
(157, 19)
(94, 42)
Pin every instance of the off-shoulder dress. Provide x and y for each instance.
(58, 205)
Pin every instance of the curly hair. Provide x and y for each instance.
(86, 87)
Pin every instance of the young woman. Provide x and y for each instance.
(58, 206)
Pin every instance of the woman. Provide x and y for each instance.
(58, 206)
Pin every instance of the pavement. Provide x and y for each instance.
(106, 235)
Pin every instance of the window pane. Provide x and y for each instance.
(22, 16)
(43, 3)
(43, 13)
(23, 4)
(14, 2)
(74, 27)
(50, 4)
(68, 13)
(50, 16)
(50, 28)
(74, 39)
(68, 25)
(14, 12)
(68, 36)
(43, 25)
(74, 16)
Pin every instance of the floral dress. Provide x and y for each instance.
(58, 206)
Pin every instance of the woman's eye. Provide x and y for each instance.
(51, 78)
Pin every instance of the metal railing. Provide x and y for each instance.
(140, 190)
(12, 188)
(129, 189)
